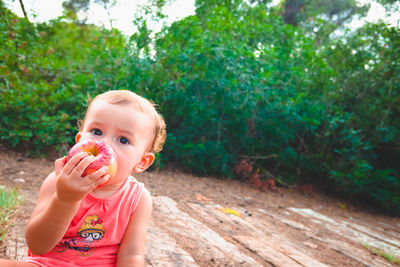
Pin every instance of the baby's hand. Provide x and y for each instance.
(71, 186)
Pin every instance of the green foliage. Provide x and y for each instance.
(47, 72)
(233, 82)
(214, 84)
(8, 201)
(239, 83)
(296, 12)
(366, 97)
(380, 252)
(75, 6)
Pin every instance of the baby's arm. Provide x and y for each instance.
(132, 250)
(59, 200)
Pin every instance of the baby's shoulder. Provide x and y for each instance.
(134, 182)
(139, 191)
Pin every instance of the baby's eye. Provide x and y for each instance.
(123, 140)
(96, 132)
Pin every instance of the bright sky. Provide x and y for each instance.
(123, 12)
(375, 13)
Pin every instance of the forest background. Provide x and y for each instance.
(247, 89)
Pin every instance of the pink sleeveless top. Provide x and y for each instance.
(95, 233)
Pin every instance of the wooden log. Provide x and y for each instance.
(357, 254)
(162, 250)
(268, 244)
(214, 249)
(348, 232)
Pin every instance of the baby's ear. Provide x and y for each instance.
(78, 137)
(147, 160)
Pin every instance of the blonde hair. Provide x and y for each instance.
(126, 97)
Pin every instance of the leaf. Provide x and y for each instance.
(230, 211)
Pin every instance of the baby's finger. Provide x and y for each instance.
(101, 181)
(82, 165)
(59, 164)
(71, 164)
(97, 174)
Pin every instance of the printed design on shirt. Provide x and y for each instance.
(91, 230)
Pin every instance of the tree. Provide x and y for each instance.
(74, 6)
(107, 4)
(336, 12)
(293, 9)
(23, 9)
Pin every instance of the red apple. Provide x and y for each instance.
(104, 154)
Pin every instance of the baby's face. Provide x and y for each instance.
(126, 129)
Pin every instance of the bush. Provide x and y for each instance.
(229, 95)
(365, 100)
(48, 72)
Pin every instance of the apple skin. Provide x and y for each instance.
(104, 156)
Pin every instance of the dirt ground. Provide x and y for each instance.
(27, 174)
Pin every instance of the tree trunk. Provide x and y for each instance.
(23, 9)
(292, 11)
